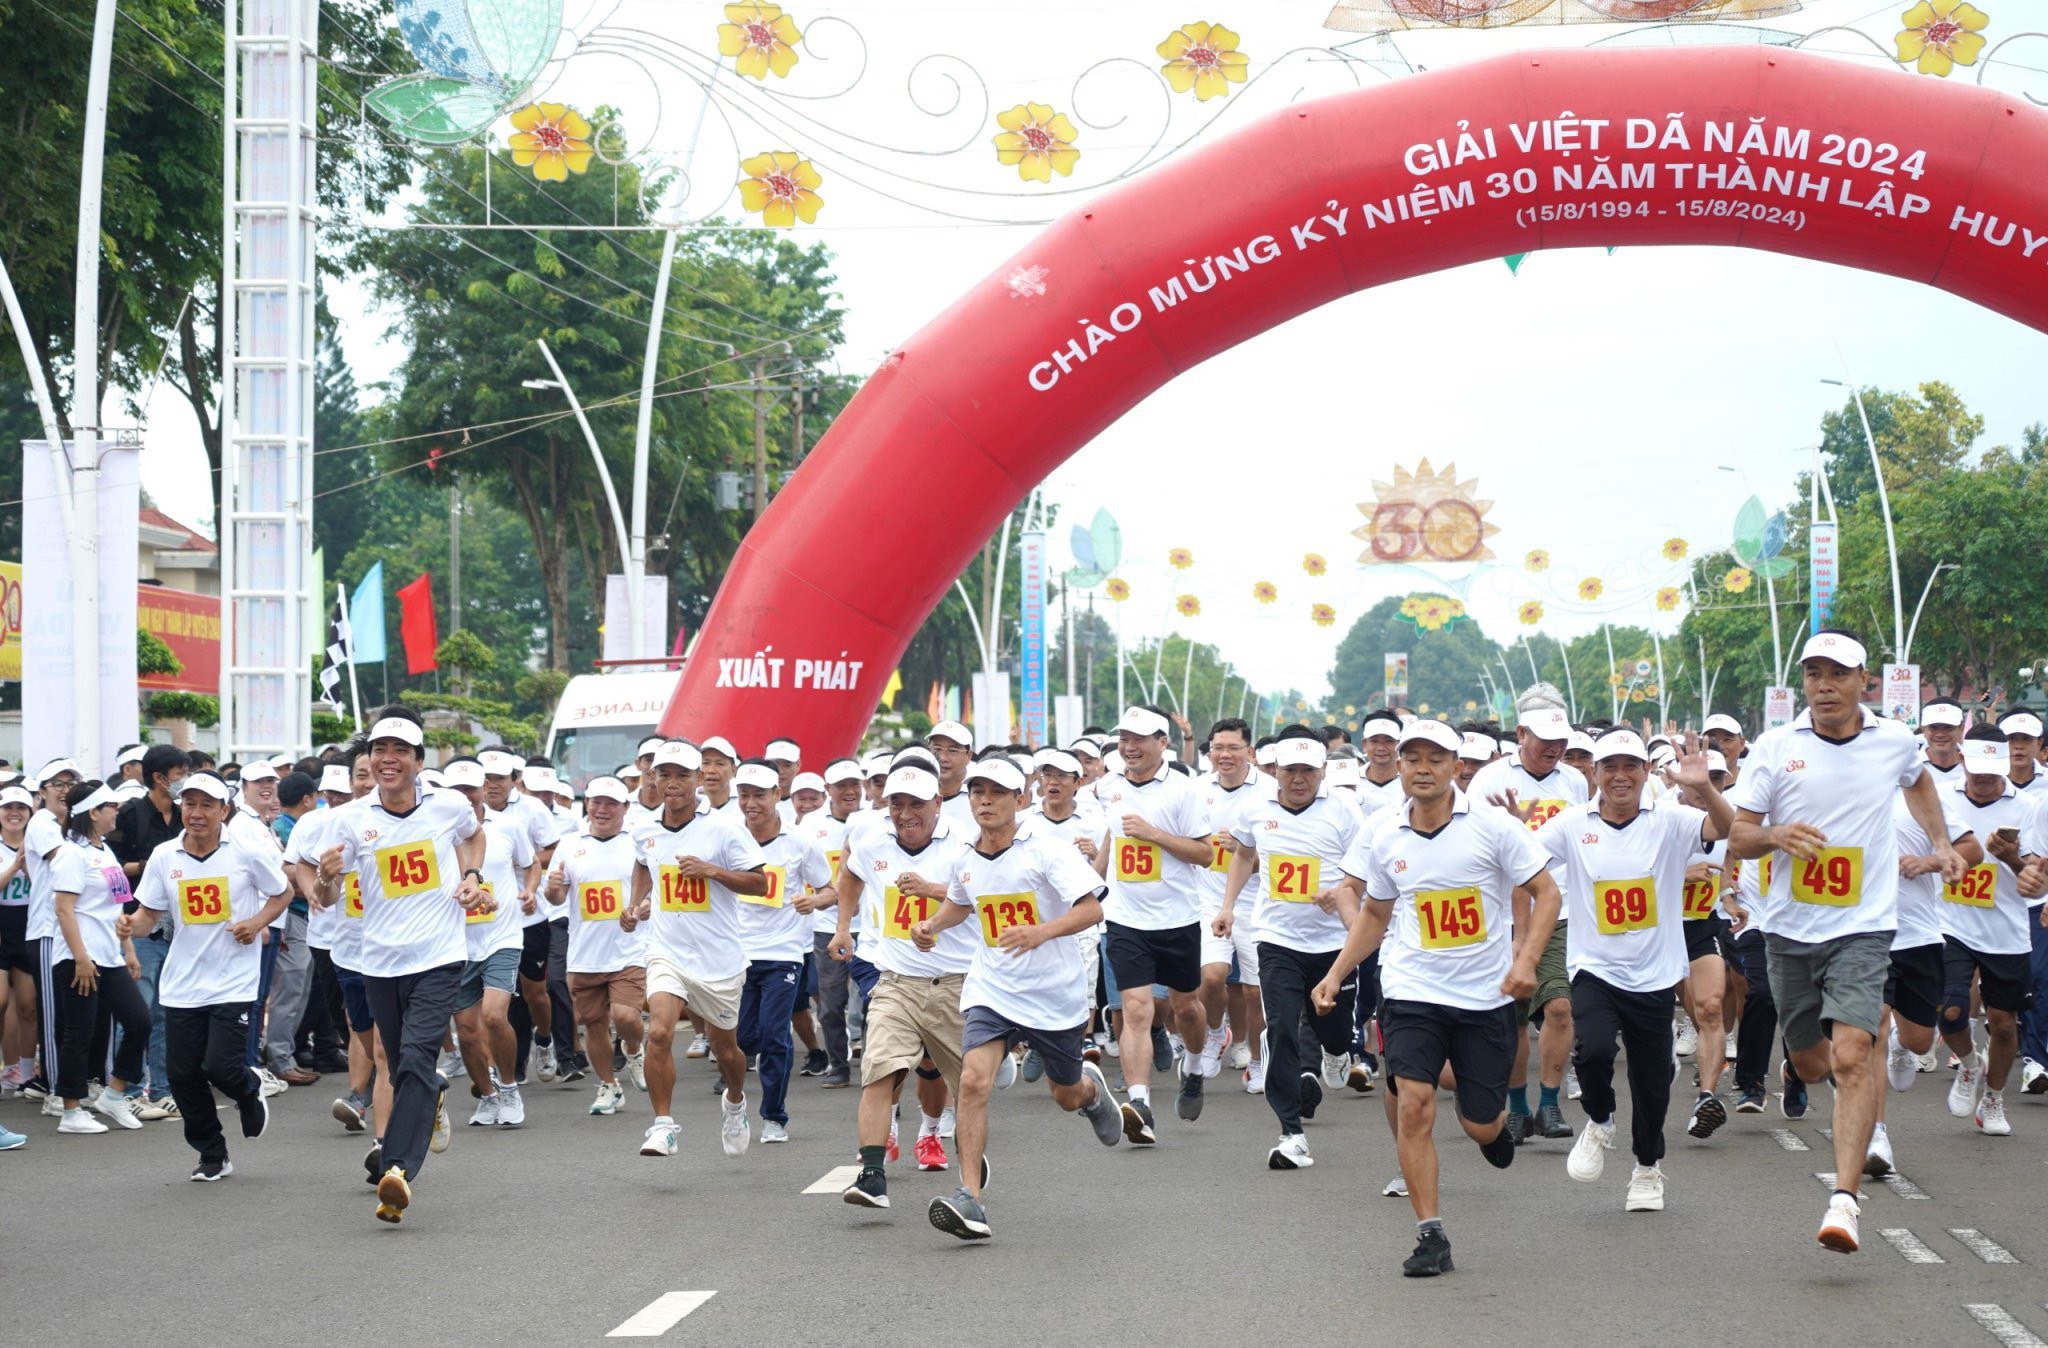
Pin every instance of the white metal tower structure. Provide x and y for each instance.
(266, 487)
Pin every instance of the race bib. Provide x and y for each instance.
(1137, 863)
(901, 912)
(598, 900)
(777, 878)
(1699, 899)
(1623, 906)
(480, 919)
(683, 894)
(1833, 879)
(834, 859)
(1449, 919)
(352, 895)
(1978, 887)
(203, 902)
(1292, 879)
(1219, 855)
(1542, 812)
(406, 869)
(1000, 912)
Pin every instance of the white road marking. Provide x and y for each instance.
(1910, 1247)
(1789, 1140)
(1983, 1246)
(1998, 1323)
(835, 1180)
(1902, 1186)
(660, 1315)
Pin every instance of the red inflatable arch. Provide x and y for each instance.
(1750, 147)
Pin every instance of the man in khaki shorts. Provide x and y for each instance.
(902, 872)
(693, 865)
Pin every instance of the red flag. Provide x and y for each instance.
(416, 625)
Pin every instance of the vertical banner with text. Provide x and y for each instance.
(1777, 707)
(1902, 693)
(1822, 563)
(1031, 695)
(1397, 678)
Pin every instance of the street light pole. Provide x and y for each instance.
(604, 474)
(1906, 651)
(1891, 542)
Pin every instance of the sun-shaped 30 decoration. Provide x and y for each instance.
(1425, 516)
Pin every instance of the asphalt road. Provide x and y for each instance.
(560, 1232)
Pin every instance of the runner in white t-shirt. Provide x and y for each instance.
(827, 829)
(221, 896)
(952, 744)
(1820, 791)
(1624, 863)
(490, 977)
(1068, 810)
(1942, 723)
(776, 936)
(1027, 894)
(1233, 786)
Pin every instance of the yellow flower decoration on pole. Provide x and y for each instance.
(1181, 559)
(1314, 564)
(1667, 599)
(762, 37)
(1265, 592)
(552, 139)
(1674, 549)
(1322, 615)
(1411, 606)
(1039, 141)
(1590, 589)
(782, 187)
(1941, 35)
(1118, 589)
(1203, 57)
(1531, 614)
(1736, 581)
(1538, 560)
(1189, 606)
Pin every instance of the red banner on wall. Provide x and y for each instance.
(190, 625)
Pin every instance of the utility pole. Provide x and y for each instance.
(796, 434)
(760, 438)
(455, 550)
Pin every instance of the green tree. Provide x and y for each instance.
(1916, 437)
(1446, 669)
(466, 657)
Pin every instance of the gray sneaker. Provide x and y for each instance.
(1103, 1116)
(1187, 1104)
(961, 1215)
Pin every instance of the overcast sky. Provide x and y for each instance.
(1592, 396)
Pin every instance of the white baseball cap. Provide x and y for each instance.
(1429, 730)
(391, 728)
(205, 783)
(1844, 650)
(629, 772)
(719, 744)
(678, 754)
(1300, 751)
(912, 781)
(15, 795)
(1722, 721)
(1580, 742)
(1000, 771)
(1059, 760)
(1085, 747)
(841, 770)
(1987, 758)
(335, 777)
(470, 774)
(875, 764)
(498, 763)
(1140, 721)
(757, 775)
(132, 754)
(261, 771)
(806, 781)
(430, 777)
(954, 731)
(648, 746)
(1546, 723)
(1265, 757)
(1479, 748)
(782, 751)
(59, 765)
(543, 780)
(2020, 723)
(1620, 743)
(100, 796)
(607, 788)
(1716, 761)
(1942, 713)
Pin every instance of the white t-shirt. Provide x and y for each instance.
(1985, 912)
(877, 858)
(828, 835)
(1374, 796)
(1149, 887)
(94, 874)
(1625, 887)
(508, 851)
(1920, 902)
(1448, 940)
(1300, 854)
(1037, 879)
(527, 815)
(407, 873)
(771, 929)
(1845, 789)
(1225, 806)
(205, 895)
(696, 923)
(958, 808)
(599, 872)
(44, 836)
(1550, 795)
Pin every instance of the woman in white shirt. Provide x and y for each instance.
(94, 982)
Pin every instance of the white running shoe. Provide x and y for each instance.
(772, 1132)
(1571, 1083)
(272, 1084)
(946, 1122)
(511, 1107)
(1879, 1161)
(1291, 1154)
(79, 1120)
(1728, 1053)
(1397, 1187)
(609, 1097)
(636, 1068)
(1006, 1072)
(1968, 1087)
(700, 1047)
(1589, 1154)
(1991, 1115)
(1211, 1063)
(439, 1142)
(1901, 1064)
(1688, 1040)
(1645, 1190)
(116, 1109)
(1238, 1058)
(1255, 1077)
(1336, 1070)
(450, 1066)
(546, 1069)
(2033, 1077)
(659, 1141)
(1928, 1062)
(1838, 1229)
(486, 1115)
(733, 1132)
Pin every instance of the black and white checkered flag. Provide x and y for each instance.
(341, 650)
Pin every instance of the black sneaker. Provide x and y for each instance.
(1550, 1122)
(1750, 1102)
(1090, 1050)
(1432, 1256)
(209, 1171)
(1187, 1105)
(576, 1070)
(815, 1063)
(869, 1190)
(961, 1215)
(1707, 1116)
(1517, 1127)
(1499, 1153)
(1311, 1095)
(1138, 1122)
(255, 1115)
(1162, 1050)
(373, 1163)
(1793, 1100)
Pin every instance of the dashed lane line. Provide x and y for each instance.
(660, 1315)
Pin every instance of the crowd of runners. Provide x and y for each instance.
(1426, 911)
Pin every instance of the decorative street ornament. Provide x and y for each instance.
(782, 188)
(1591, 589)
(1380, 16)
(1203, 57)
(1531, 613)
(478, 58)
(1759, 539)
(1039, 141)
(1674, 549)
(1188, 606)
(761, 38)
(1118, 589)
(552, 139)
(1322, 615)
(1314, 564)
(1737, 580)
(1425, 516)
(1940, 35)
(1667, 599)
(1180, 559)
(1432, 612)
(1537, 562)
